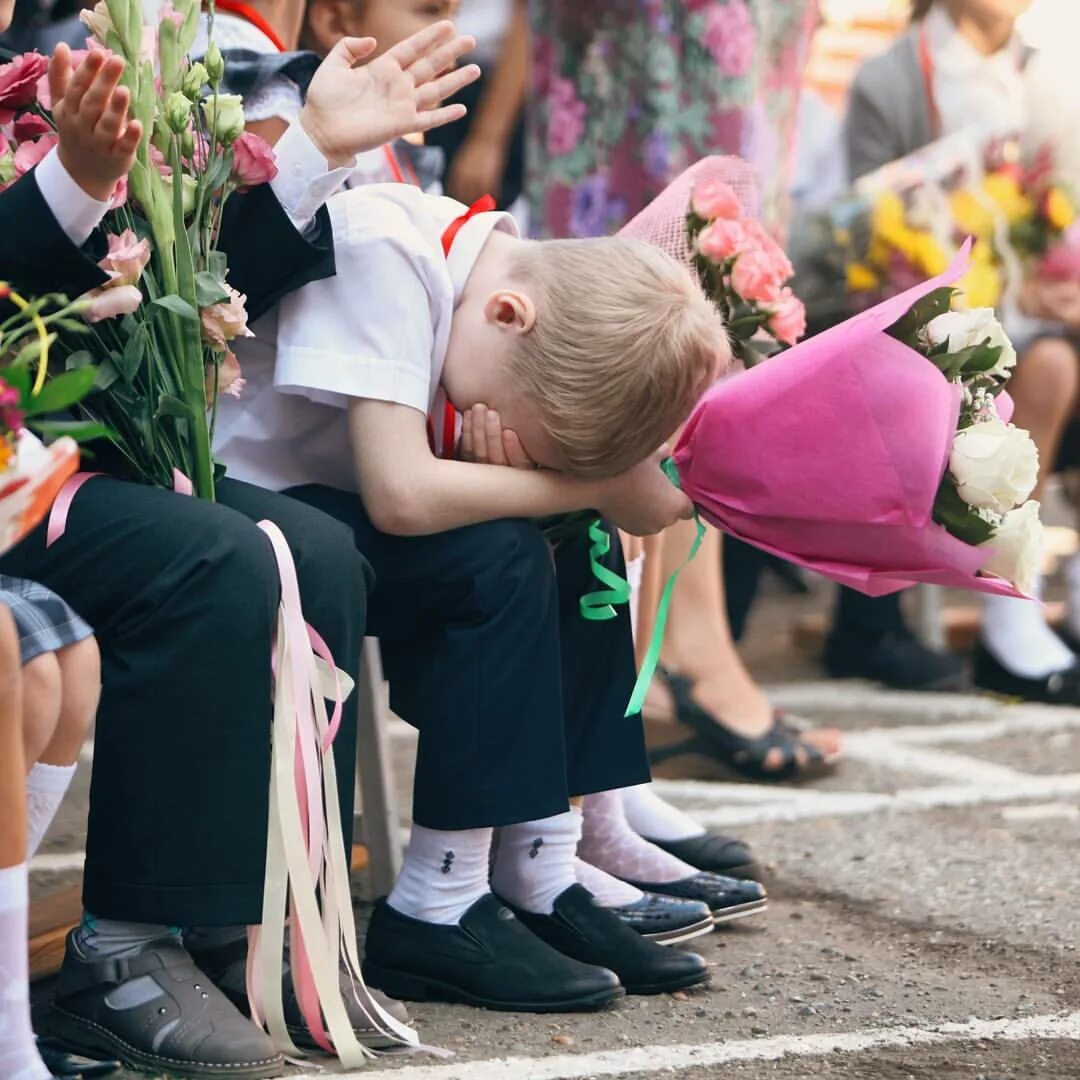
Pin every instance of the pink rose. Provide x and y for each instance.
(223, 322)
(731, 37)
(28, 154)
(253, 161)
(19, 79)
(788, 321)
(566, 117)
(762, 239)
(107, 303)
(127, 258)
(30, 126)
(720, 240)
(715, 199)
(754, 277)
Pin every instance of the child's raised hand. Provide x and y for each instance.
(351, 108)
(97, 139)
(642, 500)
(485, 441)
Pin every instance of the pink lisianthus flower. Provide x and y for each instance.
(157, 159)
(754, 277)
(127, 258)
(715, 199)
(788, 320)
(225, 321)
(167, 11)
(253, 161)
(109, 302)
(30, 126)
(28, 154)
(119, 194)
(230, 381)
(19, 79)
(721, 239)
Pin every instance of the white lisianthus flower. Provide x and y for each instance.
(225, 117)
(1018, 547)
(963, 329)
(995, 465)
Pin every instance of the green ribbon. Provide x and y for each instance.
(652, 656)
(598, 606)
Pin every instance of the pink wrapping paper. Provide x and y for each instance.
(830, 456)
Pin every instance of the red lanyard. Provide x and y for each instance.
(396, 170)
(926, 63)
(256, 18)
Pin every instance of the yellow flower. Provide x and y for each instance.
(928, 254)
(971, 215)
(860, 278)
(888, 212)
(1012, 202)
(981, 286)
(1060, 212)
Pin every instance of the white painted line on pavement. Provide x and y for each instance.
(1041, 812)
(660, 1058)
(878, 748)
(849, 696)
(57, 862)
(1018, 721)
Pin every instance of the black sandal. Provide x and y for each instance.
(736, 754)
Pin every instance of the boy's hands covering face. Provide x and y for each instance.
(486, 442)
(642, 500)
(353, 108)
(97, 140)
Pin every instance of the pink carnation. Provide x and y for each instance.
(19, 79)
(223, 322)
(731, 37)
(108, 303)
(28, 154)
(720, 240)
(788, 321)
(253, 161)
(754, 277)
(714, 199)
(566, 117)
(127, 258)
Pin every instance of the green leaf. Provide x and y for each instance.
(906, 328)
(209, 290)
(79, 430)
(172, 406)
(217, 264)
(178, 306)
(106, 376)
(19, 377)
(82, 358)
(71, 326)
(960, 519)
(982, 359)
(130, 360)
(62, 391)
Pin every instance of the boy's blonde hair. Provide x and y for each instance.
(624, 344)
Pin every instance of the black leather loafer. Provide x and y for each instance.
(490, 959)
(727, 898)
(666, 919)
(581, 928)
(177, 1024)
(1057, 688)
(715, 853)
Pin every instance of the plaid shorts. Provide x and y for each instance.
(45, 622)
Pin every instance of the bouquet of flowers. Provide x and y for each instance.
(163, 322)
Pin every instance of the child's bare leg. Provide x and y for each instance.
(80, 680)
(41, 705)
(12, 770)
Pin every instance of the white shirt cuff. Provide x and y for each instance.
(77, 213)
(304, 180)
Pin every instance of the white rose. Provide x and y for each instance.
(1018, 547)
(994, 464)
(963, 329)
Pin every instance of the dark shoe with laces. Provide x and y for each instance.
(579, 927)
(158, 1013)
(715, 853)
(898, 660)
(727, 898)
(1057, 688)
(666, 920)
(226, 967)
(489, 959)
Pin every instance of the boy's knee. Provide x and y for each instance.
(1050, 368)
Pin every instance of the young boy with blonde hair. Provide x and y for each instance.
(573, 360)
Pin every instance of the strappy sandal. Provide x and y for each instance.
(726, 751)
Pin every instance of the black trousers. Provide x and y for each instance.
(183, 597)
(519, 701)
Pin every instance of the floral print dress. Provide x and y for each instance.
(626, 95)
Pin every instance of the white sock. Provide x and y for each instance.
(113, 939)
(634, 569)
(609, 891)
(534, 861)
(19, 1059)
(1018, 636)
(650, 816)
(445, 871)
(1072, 595)
(45, 789)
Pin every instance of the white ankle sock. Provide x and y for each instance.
(634, 570)
(608, 842)
(45, 789)
(1072, 595)
(445, 871)
(112, 939)
(534, 861)
(19, 1059)
(1018, 636)
(649, 816)
(609, 891)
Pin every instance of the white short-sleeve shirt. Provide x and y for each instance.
(378, 330)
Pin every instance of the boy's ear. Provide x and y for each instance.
(510, 310)
(325, 25)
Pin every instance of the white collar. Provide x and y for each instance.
(232, 32)
(954, 54)
(470, 241)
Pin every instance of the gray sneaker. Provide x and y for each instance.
(157, 1012)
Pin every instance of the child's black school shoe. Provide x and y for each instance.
(490, 959)
(1057, 688)
(581, 928)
